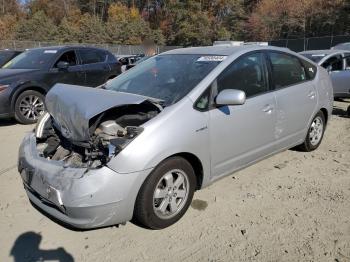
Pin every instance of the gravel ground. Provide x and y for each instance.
(291, 207)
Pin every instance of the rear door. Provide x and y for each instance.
(296, 97)
(94, 63)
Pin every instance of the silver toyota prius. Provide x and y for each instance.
(138, 147)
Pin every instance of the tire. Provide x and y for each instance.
(29, 106)
(158, 204)
(315, 133)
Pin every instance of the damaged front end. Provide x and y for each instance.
(63, 164)
(81, 134)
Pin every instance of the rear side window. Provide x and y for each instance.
(90, 56)
(310, 69)
(287, 69)
(247, 74)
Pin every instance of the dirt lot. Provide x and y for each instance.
(291, 207)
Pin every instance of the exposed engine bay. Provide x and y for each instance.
(109, 132)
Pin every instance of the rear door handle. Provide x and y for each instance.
(268, 109)
(311, 95)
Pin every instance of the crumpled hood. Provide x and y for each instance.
(73, 106)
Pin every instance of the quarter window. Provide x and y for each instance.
(287, 70)
(310, 69)
(89, 56)
(246, 74)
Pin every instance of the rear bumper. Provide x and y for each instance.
(77, 197)
(5, 105)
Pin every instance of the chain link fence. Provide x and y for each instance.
(311, 43)
(115, 49)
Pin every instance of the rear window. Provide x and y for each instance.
(90, 56)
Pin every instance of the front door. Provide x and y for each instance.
(242, 134)
(73, 75)
(340, 76)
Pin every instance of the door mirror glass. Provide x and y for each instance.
(62, 65)
(230, 97)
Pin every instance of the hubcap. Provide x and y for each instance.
(31, 107)
(170, 194)
(316, 131)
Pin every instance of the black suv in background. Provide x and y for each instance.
(26, 79)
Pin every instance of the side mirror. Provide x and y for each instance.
(230, 97)
(62, 65)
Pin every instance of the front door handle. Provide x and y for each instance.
(312, 95)
(268, 109)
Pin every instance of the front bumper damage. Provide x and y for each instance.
(78, 197)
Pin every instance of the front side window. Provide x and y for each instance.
(334, 63)
(246, 74)
(68, 57)
(89, 56)
(286, 69)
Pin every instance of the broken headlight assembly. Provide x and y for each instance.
(106, 141)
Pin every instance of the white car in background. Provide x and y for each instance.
(337, 63)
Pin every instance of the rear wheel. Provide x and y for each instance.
(29, 106)
(166, 194)
(315, 133)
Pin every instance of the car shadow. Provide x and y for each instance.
(337, 111)
(8, 122)
(26, 248)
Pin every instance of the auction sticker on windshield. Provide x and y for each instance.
(211, 58)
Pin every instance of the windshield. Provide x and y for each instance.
(5, 56)
(31, 59)
(314, 57)
(165, 77)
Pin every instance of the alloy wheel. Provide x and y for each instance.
(31, 107)
(316, 131)
(170, 194)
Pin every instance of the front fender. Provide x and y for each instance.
(181, 129)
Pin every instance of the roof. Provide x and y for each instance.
(220, 50)
(62, 47)
(322, 52)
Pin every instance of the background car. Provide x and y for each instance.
(343, 46)
(337, 63)
(129, 61)
(26, 79)
(7, 55)
(174, 124)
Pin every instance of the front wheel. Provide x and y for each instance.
(29, 106)
(315, 133)
(166, 194)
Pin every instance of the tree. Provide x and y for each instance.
(8, 25)
(38, 28)
(126, 26)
